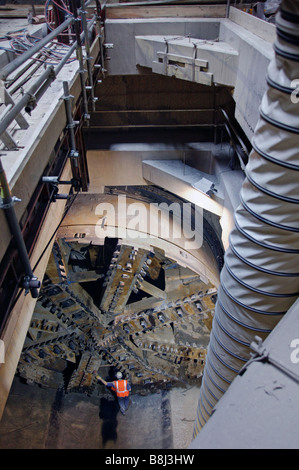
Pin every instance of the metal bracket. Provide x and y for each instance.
(8, 102)
(52, 75)
(14, 199)
(258, 347)
(30, 283)
(32, 103)
(212, 190)
(260, 353)
(54, 182)
(56, 194)
(193, 61)
(74, 154)
(72, 124)
(68, 97)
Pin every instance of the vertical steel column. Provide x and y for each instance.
(99, 27)
(80, 59)
(70, 124)
(227, 8)
(88, 57)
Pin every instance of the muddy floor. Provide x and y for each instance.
(36, 418)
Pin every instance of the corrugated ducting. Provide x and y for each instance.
(260, 278)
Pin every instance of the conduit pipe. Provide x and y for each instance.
(260, 277)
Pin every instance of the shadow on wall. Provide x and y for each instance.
(108, 414)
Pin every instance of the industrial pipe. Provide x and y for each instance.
(260, 278)
(30, 282)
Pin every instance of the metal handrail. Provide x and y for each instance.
(46, 78)
(14, 64)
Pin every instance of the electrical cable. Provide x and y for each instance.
(53, 52)
(49, 9)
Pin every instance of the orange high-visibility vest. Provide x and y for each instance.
(120, 387)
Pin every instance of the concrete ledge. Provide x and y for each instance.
(184, 181)
(260, 28)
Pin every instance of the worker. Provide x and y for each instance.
(122, 389)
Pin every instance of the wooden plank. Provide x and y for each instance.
(179, 11)
(18, 11)
(13, 6)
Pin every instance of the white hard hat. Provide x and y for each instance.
(119, 375)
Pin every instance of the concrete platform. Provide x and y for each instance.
(36, 418)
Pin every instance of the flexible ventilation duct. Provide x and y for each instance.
(260, 278)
